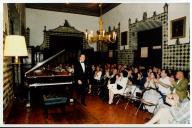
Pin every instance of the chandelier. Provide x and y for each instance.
(100, 35)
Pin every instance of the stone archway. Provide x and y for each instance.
(146, 23)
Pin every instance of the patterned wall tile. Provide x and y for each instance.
(174, 57)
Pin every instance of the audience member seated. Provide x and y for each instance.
(97, 83)
(177, 113)
(140, 81)
(119, 86)
(151, 94)
(106, 75)
(91, 77)
(135, 75)
(164, 83)
(104, 90)
(130, 77)
(159, 71)
(112, 78)
(155, 70)
(119, 68)
(180, 86)
(98, 73)
(149, 71)
(70, 69)
(156, 83)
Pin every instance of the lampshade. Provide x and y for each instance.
(15, 46)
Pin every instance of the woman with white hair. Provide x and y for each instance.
(178, 113)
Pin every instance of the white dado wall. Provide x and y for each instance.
(176, 11)
(123, 12)
(36, 20)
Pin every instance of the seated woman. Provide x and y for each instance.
(140, 81)
(151, 94)
(130, 77)
(96, 81)
(107, 74)
(91, 77)
(135, 75)
(98, 73)
(119, 86)
(178, 113)
(104, 90)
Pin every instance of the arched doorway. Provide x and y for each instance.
(149, 44)
(149, 52)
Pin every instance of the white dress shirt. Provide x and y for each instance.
(83, 66)
(163, 89)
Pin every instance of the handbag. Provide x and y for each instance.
(119, 87)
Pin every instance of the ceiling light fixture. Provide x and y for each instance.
(101, 35)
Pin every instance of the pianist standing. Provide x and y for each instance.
(81, 72)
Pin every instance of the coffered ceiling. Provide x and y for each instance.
(91, 9)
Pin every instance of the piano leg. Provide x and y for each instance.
(29, 98)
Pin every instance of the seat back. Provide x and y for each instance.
(151, 99)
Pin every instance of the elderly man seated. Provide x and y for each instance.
(180, 86)
(178, 113)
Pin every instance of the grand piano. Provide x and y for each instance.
(50, 78)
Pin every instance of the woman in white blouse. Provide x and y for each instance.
(119, 86)
(98, 74)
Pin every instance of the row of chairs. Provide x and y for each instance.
(97, 86)
(130, 94)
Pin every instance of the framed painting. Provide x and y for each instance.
(178, 28)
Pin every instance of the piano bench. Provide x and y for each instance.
(49, 101)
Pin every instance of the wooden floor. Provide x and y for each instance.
(97, 111)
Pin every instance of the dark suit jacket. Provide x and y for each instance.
(79, 74)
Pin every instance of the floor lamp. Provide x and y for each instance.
(15, 46)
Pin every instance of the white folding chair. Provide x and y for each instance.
(132, 94)
(124, 94)
(148, 103)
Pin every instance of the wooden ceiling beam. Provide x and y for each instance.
(90, 9)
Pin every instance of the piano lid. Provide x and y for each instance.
(44, 62)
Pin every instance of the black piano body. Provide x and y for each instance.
(49, 80)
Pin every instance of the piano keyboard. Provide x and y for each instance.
(48, 84)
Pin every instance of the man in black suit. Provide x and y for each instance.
(81, 72)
